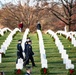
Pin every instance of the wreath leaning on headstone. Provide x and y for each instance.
(18, 72)
(44, 71)
(71, 72)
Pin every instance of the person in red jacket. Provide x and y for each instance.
(20, 26)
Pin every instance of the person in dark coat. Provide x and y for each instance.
(21, 26)
(38, 26)
(19, 50)
(29, 54)
(28, 38)
(28, 71)
(25, 51)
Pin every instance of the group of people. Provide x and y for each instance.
(21, 26)
(28, 52)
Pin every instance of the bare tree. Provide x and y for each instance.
(64, 11)
(14, 14)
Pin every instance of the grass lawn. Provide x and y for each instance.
(9, 61)
(71, 50)
(55, 63)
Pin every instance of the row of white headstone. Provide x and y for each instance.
(42, 50)
(62, 51)
(24, 40)
(69, 34)
(72, 33)
(7, 42)
(2, 31)
(19, 65)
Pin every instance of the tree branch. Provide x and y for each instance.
(60, 18)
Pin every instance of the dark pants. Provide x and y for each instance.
(27, 59)
(19, 55)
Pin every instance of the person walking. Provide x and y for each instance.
(25, 51)
(29, 54)
(28, 38)
(19, 50)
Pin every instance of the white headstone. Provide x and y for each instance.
(3, 49)
(0, 58)
(19, 65)
(65, 29)
(43, 56)
(69, 66)
(63, 54)
(75, 43)
(44, 63)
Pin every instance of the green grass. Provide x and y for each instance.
(55, 63)
(8, 64)
(35, 46)
(71, 50)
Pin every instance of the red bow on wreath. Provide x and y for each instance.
(45, 70)
(18, 71)
(71, 71)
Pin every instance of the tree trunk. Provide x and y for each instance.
(67, 27)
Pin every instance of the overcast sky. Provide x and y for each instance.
(6, 1)
(22, 1)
